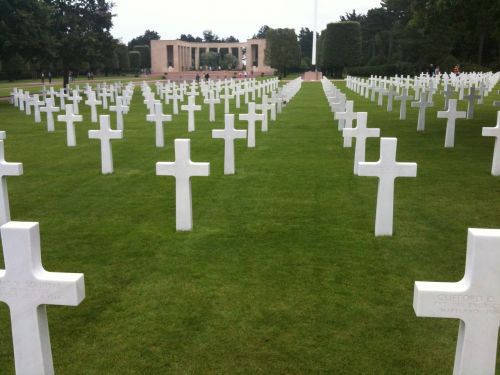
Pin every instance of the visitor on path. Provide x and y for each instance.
(49, 75)
(456, 69)
(43, 78)
(431, 70)
(437, 71)
(197, 78)
(207, 77)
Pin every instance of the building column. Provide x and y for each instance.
(197, 58)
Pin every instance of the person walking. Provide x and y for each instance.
(49, 76)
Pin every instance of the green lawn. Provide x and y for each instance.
(282, 273)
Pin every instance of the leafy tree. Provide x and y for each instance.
(80, 32)
(144, 39)
(341, 46)
(135, 60)
(24, 29)
(14, 66)
(230, 39)
(210, 59)
(123, 57)
(261, 34)
(282, 49)
(210, 37)
(353, 16)
(145, 52)
(190, 38)
(229, 62)
(306, 42)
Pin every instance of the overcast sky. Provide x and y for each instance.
(241, 19)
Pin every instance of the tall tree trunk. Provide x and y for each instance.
(480, 49)
(65, 77)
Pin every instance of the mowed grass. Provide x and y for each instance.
(282, 273)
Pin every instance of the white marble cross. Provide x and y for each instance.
(251, 117)
(448, 94)
(183, 169)
(264, 108)
(70, 119)
(104, 98)
(75, 98)
(120, 109)
(226, 96)
(92, 102)
(387, 169)
(62, 94)
(105, 134)
(494, 132)
(6, 169)
(470, 102)
(475, 300)
(229, 134)
(28, 102)
(26, 288)
(403, 98)
(50, 109)
(36, 106)
(422, 106)
(191, 107)
(347, 117)
(390, 96)
(159, 118)
(211, 101)
(452, 115)
(360, 132)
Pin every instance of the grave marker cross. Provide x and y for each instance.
(387, 169)
(229, 134)
(26, 288)
(159, 118)
(474, 300)
(6, 169)
(183, 169)
(360, 132)
(191, 107)
(452, 115)
(494, 132)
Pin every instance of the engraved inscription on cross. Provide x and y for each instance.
(475, 300)
(183, 169)
(26, 288)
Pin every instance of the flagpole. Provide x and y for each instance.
(313, 60)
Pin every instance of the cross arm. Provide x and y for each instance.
(437, 299)
(70, 289)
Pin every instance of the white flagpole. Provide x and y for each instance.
(313, 60)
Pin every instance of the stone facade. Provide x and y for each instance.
(178, 56)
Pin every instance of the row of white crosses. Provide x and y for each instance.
(387, 169)
(474, 299)
(182, 169)
(271, 104)
(425, 88)
(26, 287)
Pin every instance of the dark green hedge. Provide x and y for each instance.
(384, 70)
